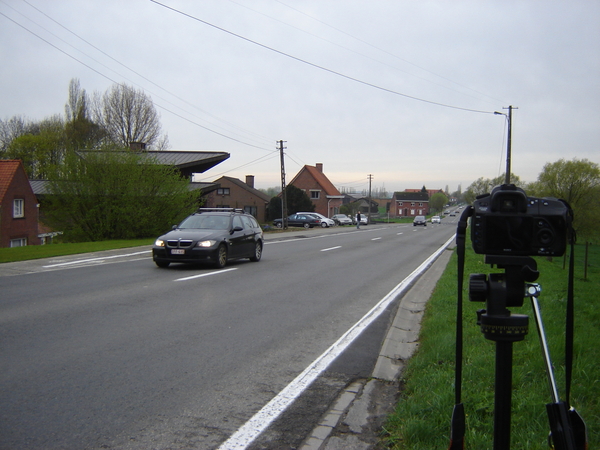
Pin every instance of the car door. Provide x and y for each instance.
(249, 236)
(293, 221)
(237, 238)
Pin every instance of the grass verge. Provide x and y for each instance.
(54, 250)
(422, 418)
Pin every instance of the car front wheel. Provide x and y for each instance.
(221, 260)
(324, 225)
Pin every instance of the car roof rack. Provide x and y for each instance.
(238, 210)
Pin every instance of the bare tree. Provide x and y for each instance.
(128, 115)
(11, 129)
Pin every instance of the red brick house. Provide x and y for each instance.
(234, 193)
(324, 195)
(18, 206)
(409, 204)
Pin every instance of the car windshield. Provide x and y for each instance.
(205, 222)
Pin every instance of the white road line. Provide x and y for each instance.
(205, 274)
(82, 261)
(245, 435)
(331, 248)
(398, 234)
(376, 239)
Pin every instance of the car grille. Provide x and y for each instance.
(179, 243)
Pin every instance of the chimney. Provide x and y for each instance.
(137, 146)
(250, 180)
(319, 167)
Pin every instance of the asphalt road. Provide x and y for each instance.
(108, 351)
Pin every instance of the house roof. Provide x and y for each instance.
(418, 196)
(187, 161)
(320, 178)
(8, 168)
(245, 186)
(198, 162)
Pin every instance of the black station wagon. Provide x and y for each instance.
(214, 235)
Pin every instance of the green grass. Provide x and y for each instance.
(53, 250)
(422, 417)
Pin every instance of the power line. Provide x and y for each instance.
(125, 66)
(318, 66)
(388, 53)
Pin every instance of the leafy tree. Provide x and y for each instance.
(578, 182)
(40, 151)
(437, 201)
(128, 115)
(81, 133)
(116, 195)
(297, 200)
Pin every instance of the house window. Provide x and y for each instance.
(18, 208)
(253, 210)
(22, 242)
(315, 195)
(223, 191)
(412, 203)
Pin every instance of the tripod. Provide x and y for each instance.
(498, 324)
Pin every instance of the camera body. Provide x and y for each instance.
(508, 222)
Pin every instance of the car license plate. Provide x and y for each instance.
(177, 251)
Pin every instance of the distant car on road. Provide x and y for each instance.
(436, 219)
(325, 221)
(420, 220)
(342, 219)
(299, 220)
(214, 235)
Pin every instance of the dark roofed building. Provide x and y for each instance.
(409, 204)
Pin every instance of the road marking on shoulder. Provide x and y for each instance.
(376, 239)
(331, 248)
(99, 259)
(248, 432)
(205, 274)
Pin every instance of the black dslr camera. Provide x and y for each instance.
(508, 222)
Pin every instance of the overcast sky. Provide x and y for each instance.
(404, 91)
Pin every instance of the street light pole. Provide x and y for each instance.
(508, 142)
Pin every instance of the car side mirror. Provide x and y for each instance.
(238, 228)
(174, 227)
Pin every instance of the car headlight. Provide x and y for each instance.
(159, 243)
(206, 243)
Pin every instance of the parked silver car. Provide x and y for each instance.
(325, 221)
(342, 219)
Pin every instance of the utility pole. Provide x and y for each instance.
(370, 177)
(283, 194)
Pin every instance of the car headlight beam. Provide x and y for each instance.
(206, 244)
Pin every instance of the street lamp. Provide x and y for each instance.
(508, 141)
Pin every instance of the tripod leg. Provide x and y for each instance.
(503, 395)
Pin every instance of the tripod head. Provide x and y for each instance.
(500, 291)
